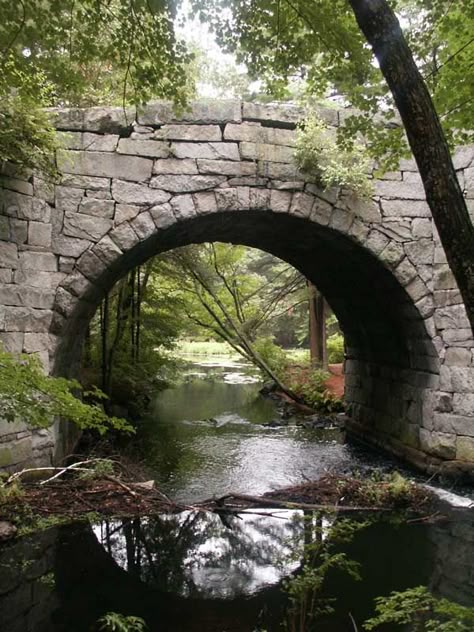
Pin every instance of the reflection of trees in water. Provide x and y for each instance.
(197, 554)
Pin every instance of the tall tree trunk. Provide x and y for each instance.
(317, 328)
(104, 332)
(380, 26)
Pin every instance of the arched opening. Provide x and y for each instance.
(390, 359)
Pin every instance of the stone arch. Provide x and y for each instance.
(391, 361)
(224, 171)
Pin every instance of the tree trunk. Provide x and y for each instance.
(317, 328)
(427, 141)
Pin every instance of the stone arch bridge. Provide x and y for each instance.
(224, 171)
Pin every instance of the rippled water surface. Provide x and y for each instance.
(208, 436)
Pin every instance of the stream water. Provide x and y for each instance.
(197, 572)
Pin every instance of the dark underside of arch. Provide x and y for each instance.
(377, 316)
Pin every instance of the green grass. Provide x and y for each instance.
(210, 348)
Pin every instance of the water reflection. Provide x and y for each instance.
(193, 571)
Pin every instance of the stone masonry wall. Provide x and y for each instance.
(135, 184)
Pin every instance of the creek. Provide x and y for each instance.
(194, 571)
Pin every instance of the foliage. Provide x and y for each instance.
(100, 468)
(422, 611)
(204, 348)
(320, 44)
(309, 385)
(320, 555)
(82, 53)
(318, 154)
(272, 354)
(28, 394)
(116, 622)
(335, 347)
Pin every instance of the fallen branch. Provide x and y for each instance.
(259, 500)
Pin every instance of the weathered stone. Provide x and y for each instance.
(438, 443)
(465, 449)
(88, 142)
(15, 454)
(97, 207)
(377, 242)
(256, 133)
(259, 199)
(280, 201)
(443, 298)
(27, 319)
(85, 226)
(112, 165)
(392, 254)
(443, 278)
(8, 255)
(416, 289)
(41, 279)
(189, 132)
(367, 210)
(404, 208)
(279, 171)
(250, 181)
(43, 261)
(175, 166)
(341, 220)
(421, 251)
(65, 303)
(91, 266)
(205, 202)
(125, 212)
(12, 342)
(399, 190)
(183, 206)
(321, 213)
(186, 184)
(301, 204)
(130, 193)
(39, 234)
(14, 184)
(398, 230)
(266, 152)
(85, 182)
(150, 148)
(451, 317)
(68, 246)
(454, 424)
(77, 284)
(227, 167)
(144, 225)
(66, 264)
(209, 151)
(425, 307)
(227, 199)
(96, 119)
(163, 214)
(405, 272)
(202, 111)
(422, 228)
(283, 185)
(107, 250)
(124, 236)
(458, 337)
(463, 404)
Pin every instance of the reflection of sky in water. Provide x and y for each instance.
(257, 551)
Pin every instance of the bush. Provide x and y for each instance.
(335, 347)
(318, 154)
(273, 355)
